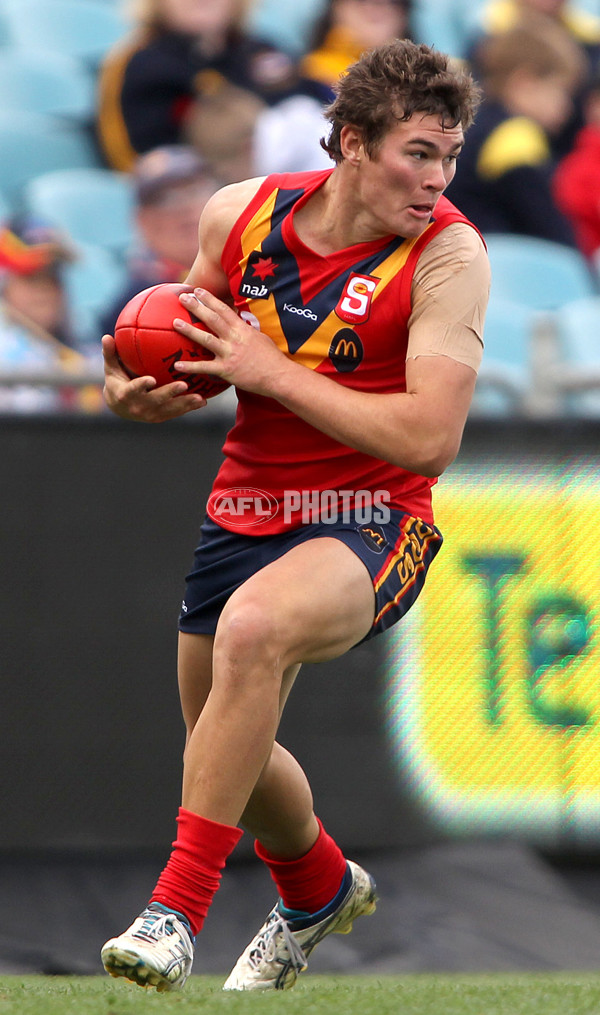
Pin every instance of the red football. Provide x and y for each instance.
(147, 342)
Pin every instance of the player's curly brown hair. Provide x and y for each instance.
(393, 81)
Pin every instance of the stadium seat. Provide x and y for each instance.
(93, 205)
(34, 143)
(504, 377)
(578, 377)
(93, 281)
(538, 273)
(80, 28)
(46, 82)
(449, 25)
(4, 32)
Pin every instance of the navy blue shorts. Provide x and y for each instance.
(396, 553)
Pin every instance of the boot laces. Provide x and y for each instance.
(266, 943)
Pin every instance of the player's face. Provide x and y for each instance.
(400, 184)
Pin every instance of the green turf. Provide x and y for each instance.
(505, 994)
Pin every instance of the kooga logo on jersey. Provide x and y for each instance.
(301, 311)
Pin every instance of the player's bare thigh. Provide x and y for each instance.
(314, 603)
(319, 599)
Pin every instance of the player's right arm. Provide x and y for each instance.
(140, 399)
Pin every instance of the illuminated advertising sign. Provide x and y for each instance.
(493, 679)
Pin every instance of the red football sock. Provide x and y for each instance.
(309, 883)
(193, 872)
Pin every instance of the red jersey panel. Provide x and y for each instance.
(344, 315)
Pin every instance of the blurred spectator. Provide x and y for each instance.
(172, 185)
(220, 125)
(287, 135)
(36, 332)
(577, 178)
(529, 75)
(181, 50)
(287, 138)
(346, 29)
(583, 28)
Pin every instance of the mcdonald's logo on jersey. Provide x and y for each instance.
(346, 351)
(354, 305)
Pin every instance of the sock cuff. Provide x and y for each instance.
(209, 841)
(269, 858)
(309, 882)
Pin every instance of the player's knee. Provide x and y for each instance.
(247, 634)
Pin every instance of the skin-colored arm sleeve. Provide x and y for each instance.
(450, 291)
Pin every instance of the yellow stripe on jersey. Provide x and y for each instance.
(255, 232)
(258, 229)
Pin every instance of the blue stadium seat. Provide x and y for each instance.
(46, 82)
(578, 326)
(288, 25)
(93, 282)
(34, 143)
(538, 273)
(80, 28)
(449, 25)
(504, 376)
(93, 205)
(4, 31)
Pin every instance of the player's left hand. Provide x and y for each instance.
(244, 356)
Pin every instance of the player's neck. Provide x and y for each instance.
(330, 220)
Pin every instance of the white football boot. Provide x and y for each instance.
(280, 950)
(156, 951)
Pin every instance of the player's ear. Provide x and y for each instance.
(351, 144)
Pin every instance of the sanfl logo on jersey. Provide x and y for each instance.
(354, 305)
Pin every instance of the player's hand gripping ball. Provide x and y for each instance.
(147, 342)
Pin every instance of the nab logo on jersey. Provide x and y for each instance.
(256, 284)
(354, 305)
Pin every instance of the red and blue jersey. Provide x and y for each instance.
(344, 315)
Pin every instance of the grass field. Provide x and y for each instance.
(531, 994)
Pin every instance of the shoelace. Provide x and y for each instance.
(266, 948)
(156, 926)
